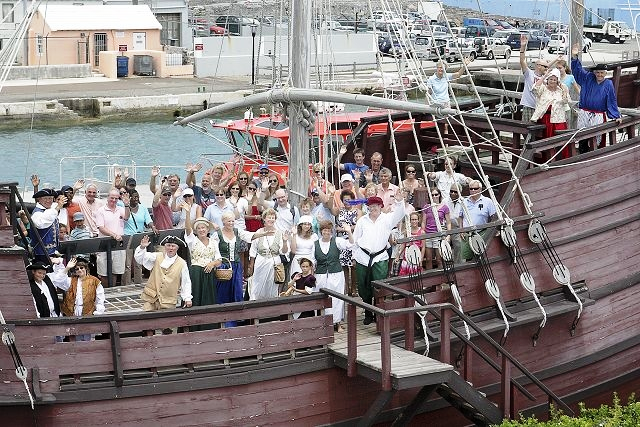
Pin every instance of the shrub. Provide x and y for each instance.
(614, 415)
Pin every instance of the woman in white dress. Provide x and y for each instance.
(302, 244)
(264, 256)
(329, 272)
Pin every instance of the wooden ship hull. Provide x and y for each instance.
(273, 369)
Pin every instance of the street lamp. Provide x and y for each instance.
(253, 53)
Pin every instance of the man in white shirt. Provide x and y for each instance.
(481, 210)
(288, 216)
(371, 236)
(89, 204)
(169, 275)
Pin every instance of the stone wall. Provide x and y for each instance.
(50, 72)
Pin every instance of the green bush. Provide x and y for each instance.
(614, 415)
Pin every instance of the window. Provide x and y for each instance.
(171, 28)
(241, 141)
(7, 13)
(39, 45)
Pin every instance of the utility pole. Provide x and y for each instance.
(298, 135)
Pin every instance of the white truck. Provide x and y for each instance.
(611, 31)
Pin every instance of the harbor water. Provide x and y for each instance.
(60, 155)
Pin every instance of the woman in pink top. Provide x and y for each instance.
(430, 226)
(408, 265)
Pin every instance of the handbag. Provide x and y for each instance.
(278, 273)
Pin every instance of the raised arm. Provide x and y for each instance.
(459, 73)
(524, 40)
(343, 150)
(155, 171)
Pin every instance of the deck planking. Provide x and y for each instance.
(404, 364)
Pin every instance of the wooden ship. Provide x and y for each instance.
(275, 370)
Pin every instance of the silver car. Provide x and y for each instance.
(491, 48)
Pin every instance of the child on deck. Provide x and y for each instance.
(303, 282)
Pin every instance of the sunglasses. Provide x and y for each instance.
(435, 194)
(251, 188)
(220, 194)
(166, 194)
(242, 179)
(474, 188)
(235, 189)
(273, 180)
(264, 172)
(411, 171)
(188, 195)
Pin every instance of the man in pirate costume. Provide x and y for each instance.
(169, 275)
(371, 236)
(45, 298)
(45, 219)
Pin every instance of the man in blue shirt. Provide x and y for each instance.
(358, 157)
(438, 84)
(598, 100)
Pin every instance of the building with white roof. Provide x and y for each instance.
(76, 34)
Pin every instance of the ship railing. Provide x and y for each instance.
(610, 133)
(134, 349)
(444, 313)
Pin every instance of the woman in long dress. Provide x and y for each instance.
(229, 239)
(329, 272)
(302, 243)
(264, 256)
(205, 257)
(552, 104)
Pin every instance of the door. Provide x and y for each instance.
(139, 41)
(99, 44)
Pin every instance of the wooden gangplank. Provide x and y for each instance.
(408, 369)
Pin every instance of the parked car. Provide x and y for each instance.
(449, 50)
(231, 23)
(215, 30)
(537, 40)
(560, 43)
(503, 35)
(391, 45)
(491, 48)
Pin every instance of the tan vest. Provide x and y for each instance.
(163, 284)
(89, 286)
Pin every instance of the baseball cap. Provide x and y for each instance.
(346, 177)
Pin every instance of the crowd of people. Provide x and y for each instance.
(243, 239)
(549, 89)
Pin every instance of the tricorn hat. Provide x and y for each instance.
(175, 240)
(45, 192)
(38, 265)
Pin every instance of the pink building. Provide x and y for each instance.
(76, 34)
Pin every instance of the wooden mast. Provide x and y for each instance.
(298, 135)
(576, 27)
